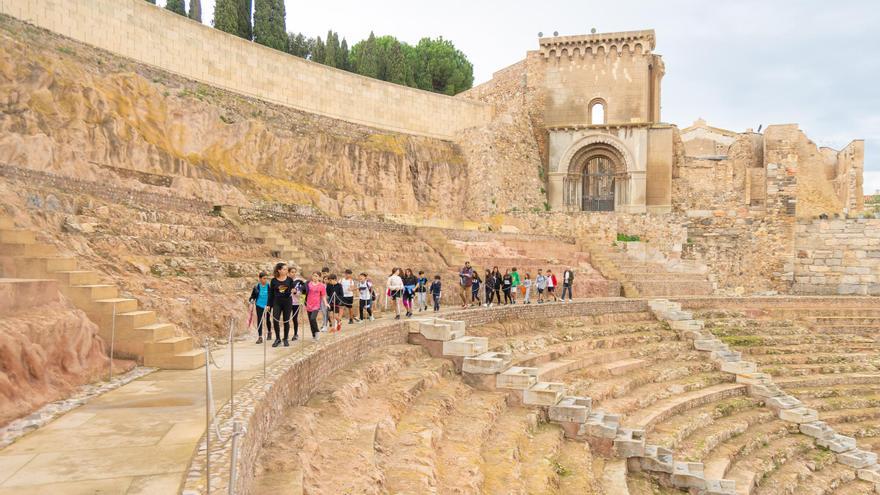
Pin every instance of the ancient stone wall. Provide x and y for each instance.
(837, 257)
(154, 36)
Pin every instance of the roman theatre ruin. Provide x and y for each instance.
(723, 338)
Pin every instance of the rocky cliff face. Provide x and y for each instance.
(82, 112)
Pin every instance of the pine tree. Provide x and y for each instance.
(195, 10)
(269, 28)
(365, 59)
(176, 6)
(243, 18)
(298, 45)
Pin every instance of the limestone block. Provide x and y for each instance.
(413, 325)
(488, 363)
(517, 378)
(765, 390)
(798, 414)
(686, 325)
(544, 394)
(783, 402)
(678, 315)
(457, 325)
(656, 304)
(739, 367)
(857, 458)
(756, 378)
(629, 443)
(571, 409)
(720, 487)
(657, 459)
(816, 429)
(688, 475)
(466, 346)
(726, 356)
(439, 331)
(837, 443)
(600, 424)
(708, 344)
(869, 473)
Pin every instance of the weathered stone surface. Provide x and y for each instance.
(816, 429)
(720, 487)
(756, 378)
(708, 344)
(571, 409)
(798, 414)
(739, 367)
(687, 475)
(629, 443)
(601, 424)
(765, 390)
(869, 473)
(783, 402)
(857, 458)
(657, 459)
(837, 443)
(439, 331)
(487, 363)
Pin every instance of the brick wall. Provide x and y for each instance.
(837, 257)
(147, 34)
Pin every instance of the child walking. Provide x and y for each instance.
(506, 284)
(315, 298)
(435, 292)
(475, 289)
(527, 286)
(260, 298)
(541, 285)
(335, 298)
(366, 296)
(394, 287)
(422, 291)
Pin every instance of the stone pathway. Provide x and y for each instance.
(137, 439)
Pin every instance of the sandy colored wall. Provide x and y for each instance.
(658, 187)
(837, 257)
(155, 36)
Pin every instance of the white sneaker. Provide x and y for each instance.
(371, 318)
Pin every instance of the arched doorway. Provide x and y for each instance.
(597, 181)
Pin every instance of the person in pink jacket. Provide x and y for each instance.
(316, 294)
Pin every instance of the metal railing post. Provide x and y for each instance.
(112, 341)
(207, 418)
(233, 463)
(231, 367)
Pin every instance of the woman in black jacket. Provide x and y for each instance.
(506, 285)
(490, 287)
(496, 283)
(281, 302)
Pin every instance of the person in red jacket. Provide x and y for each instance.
(551, 285)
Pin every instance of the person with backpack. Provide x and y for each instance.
(514, 285)
(366, 296)
(297, 295)
(435, 292)
(551, 285)
(281, 303)
(260, 298)
(335, 298)
(348, 286)
(567, 280)
(422, 291)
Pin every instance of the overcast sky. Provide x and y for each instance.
(736, 64)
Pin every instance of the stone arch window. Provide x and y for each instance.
(596, 111)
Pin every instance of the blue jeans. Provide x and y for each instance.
(566, 288)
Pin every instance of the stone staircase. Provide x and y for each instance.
(643, 273)
(139, 334)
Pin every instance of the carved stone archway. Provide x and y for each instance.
(597, 174)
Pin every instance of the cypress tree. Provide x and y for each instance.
(226, 16)
(331, 49)
(195, 10)
(269, 28)
(243, 17)
(366, 58)
(176, 6)
(298, 45)
(317, 51)
(342, 59)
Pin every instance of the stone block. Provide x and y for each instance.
(413, 325)
(439, 331)
(687, 475)
(837, 443)
(657, 304)
(571, 409)
(466, 346)
(756, 378)
(720, 487)
(678, 315)
(739, 367)
(869, 473)
(857, 458)
(726, 356)
(686, 325)
(629, 443)
(457, 325)
(765, 390)
(816, 429)
(797, 414)
(488, 363)
(782, 402)
(517, 378)
(600, 424)
(543, 394)
(657, 459)
(708, 345)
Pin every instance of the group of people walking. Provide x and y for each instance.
(276, 301)
(510, 284)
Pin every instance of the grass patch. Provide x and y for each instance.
(627, 238)
(743, 340)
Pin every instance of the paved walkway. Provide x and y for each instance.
(137, 439)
